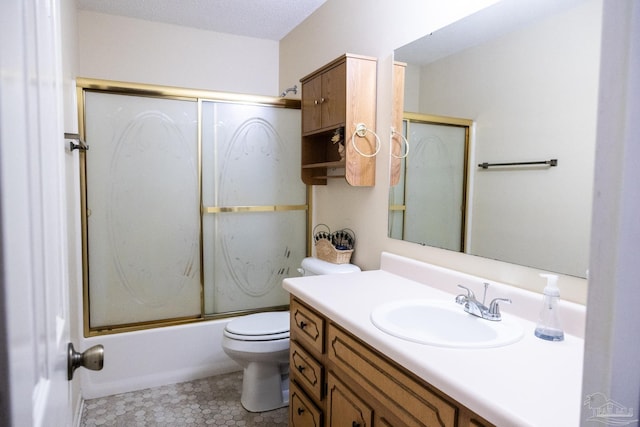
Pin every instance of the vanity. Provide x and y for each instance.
(345, 370)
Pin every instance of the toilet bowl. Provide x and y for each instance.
(259, 343)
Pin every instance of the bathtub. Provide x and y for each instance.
(154, 357)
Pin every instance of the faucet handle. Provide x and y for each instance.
(494, 308)
(470, 293)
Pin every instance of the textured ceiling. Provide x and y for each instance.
(265, 19)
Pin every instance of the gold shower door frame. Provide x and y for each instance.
(420, 118)
(84, 85)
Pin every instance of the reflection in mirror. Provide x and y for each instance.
(531, 92)
(428, 205)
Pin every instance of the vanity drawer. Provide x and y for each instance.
(404, 396)
(307, 326)
(306, 370)
(302, 411)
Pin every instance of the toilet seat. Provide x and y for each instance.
(259, 327)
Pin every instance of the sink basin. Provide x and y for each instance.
(444, 324)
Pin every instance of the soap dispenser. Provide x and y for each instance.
(549, 327)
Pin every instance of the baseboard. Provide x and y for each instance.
(77, 414)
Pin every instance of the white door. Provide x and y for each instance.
(32, 208)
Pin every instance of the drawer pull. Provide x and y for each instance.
(300, 368)
(300, 411)
(302, 325)
(355, 424)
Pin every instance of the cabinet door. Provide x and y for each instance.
(302, 411)
(408, 400)
(334, 96)
(467, 418)
(344, 408)
(311, 104)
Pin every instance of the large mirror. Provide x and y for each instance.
(525, 73)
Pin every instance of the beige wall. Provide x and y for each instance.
(345, 26)
(132, 50)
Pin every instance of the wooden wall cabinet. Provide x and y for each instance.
(339, 96)
(337, 380)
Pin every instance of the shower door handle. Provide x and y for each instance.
(92, 358)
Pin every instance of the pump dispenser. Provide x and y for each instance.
(549, 327)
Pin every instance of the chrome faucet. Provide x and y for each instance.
(477, 308)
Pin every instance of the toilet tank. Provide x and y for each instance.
(312, 266)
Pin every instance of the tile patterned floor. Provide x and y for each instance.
(211, 401)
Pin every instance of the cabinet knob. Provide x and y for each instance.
(300, 368)
(355, 424)
(300, 411)
(315, 102)
(303, 325)
(322, 100)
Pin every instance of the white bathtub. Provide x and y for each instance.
(154, 357)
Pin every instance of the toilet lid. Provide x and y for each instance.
(260, 324)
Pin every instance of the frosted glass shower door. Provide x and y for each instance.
(435, 185)
(254, 201)
(142, 201)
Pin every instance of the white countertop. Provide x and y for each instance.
(530, 383)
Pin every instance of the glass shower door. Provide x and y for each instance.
(142, 211)
(254, 205)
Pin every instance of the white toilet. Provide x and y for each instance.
(260, 344)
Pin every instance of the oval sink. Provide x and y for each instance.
(444, 324)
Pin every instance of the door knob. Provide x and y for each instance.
(92, 358)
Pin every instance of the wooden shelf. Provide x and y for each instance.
(336, 164)
(329, 176)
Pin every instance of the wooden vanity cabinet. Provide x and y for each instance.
(337, 380)
(339, 95)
